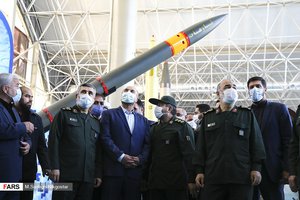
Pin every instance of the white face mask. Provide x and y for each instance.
(158, 112)
(84, 101)
(128, 97)
(18, 96)
(230, 96)
(181, 117)
(195, 117)
(256, 94)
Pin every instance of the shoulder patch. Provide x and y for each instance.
(67, 108)
(210, 110)
(154, 124)
(244, 108)
(93, 116)
(179, 120)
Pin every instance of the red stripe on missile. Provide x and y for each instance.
(49, 115)
(105, 89)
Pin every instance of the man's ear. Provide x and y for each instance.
(4, 88)
(265, 89)
(169, 107)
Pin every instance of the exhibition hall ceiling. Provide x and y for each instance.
(257, 38)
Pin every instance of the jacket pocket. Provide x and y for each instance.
(241, 130)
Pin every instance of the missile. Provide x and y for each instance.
(139, 65)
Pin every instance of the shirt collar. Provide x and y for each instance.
(261, 103)
(126, 111)
(7, 104)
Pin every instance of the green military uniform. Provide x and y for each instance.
(172, 148)
(229, 147)
(72, 145)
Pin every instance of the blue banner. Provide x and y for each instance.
(6, 46)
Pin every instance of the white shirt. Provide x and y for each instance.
(130, 120)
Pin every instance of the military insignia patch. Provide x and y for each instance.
(241, 132)
(73, 119)
(211, 124)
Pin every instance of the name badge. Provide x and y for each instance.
(188, 138)
(211, 124)
(241, 132)
(73, 119)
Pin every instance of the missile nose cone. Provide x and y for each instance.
(218, 19)
(201, 29)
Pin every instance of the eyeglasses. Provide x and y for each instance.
(99, 103)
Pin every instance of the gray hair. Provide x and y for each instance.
(7, 78)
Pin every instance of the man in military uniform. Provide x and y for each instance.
(72, 147)
(172, 147)
(229, 150)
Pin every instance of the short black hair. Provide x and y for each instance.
(101, 95)
(203, 107)
(173, 111)
(257, 78)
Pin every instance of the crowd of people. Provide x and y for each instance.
(219, 152)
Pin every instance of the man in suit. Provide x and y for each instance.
(14, 141)
(125, 140)
(38, 147)
(294, 154)
(276, 128)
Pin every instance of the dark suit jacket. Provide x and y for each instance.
(294, 150)
(11, 134)
(117, 139)
(38, 148)
(276, 129)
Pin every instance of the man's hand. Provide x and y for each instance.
(46, 172)
(193, 190)
(255, 177)
(285, 177)
(29, 127)
(25, 147)
(98, 182)
(54, 175)
(200, 180)
(293, 183)
(128, 161)
(136, 160)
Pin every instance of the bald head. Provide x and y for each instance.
(227, 93)
(225, 84)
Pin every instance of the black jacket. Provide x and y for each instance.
(38, 148)
(294, 150)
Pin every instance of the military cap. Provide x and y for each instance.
(164, 100)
